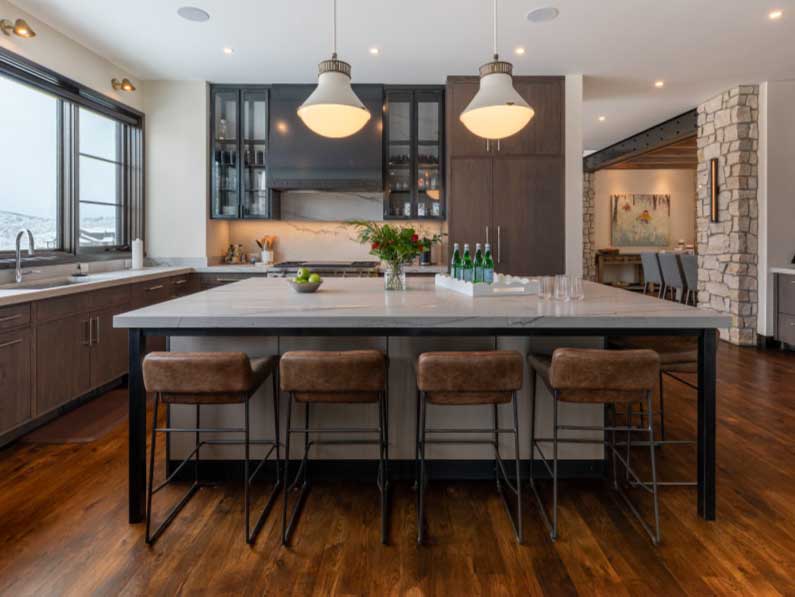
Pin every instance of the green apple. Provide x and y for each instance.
(315, 279)
(300, 280)
(303, 272)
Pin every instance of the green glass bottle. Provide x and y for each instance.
(478, 263)
(468, 267)
(488, 266)
(455, 263)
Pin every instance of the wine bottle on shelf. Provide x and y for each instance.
(488, 266)
(455, 263)
(478, 264)
(467, 267)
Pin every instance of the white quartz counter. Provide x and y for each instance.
(25, 293)
(363, 303)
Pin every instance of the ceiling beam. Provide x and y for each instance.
(657, 137)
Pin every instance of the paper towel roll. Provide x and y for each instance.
(137, 254)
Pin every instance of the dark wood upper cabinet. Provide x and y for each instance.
(460, 141)
(471, 209)
(544, 133)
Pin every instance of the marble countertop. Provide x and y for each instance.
(11, 296)
(363, 303)
(783, 270)
(244, 268)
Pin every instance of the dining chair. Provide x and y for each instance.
(673, 279)
(652, 276)
(690, 270)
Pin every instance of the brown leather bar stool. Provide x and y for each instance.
(209, 378)
(678, 354)
(589, 376)
(346, 377)
(469, 378)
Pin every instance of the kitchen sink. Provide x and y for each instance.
(44, 284)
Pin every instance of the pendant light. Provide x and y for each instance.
(497, 110)
(333, 110)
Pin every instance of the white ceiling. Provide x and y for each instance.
(699, 47)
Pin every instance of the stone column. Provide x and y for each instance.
(588, 234)
(727, 249)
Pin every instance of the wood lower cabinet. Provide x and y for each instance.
(63, 361)
(109, 347)
(16, 362)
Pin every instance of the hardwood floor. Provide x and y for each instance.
(64, 531)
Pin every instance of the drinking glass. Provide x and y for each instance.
(546, 285)
(576, 292)
(562, 288)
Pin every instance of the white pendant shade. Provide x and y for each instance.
(333, 110)
(497, 110)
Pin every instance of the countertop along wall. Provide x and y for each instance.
(680, 184)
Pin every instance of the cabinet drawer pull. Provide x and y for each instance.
(226, 280)
(7, 344)
(10, 318)
(180, 282)
(153, 288)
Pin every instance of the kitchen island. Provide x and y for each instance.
(264, 316)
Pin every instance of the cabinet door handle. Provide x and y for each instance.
(488, 145)
(499, 245)
(7, 344)
(10, 318)
(498, 146)
(487, 235)
(153, 288)
(96, 339)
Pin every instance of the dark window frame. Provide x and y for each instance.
(73, 96)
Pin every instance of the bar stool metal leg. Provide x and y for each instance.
(421, 479)
(300, 476)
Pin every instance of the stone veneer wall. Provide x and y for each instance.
(588, 230)
(727, 249)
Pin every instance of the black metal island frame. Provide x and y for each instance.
(361, 307)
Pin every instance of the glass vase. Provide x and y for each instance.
(394, 276)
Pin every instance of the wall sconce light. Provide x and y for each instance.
(713, 189)
(123, 85)
(20, 28)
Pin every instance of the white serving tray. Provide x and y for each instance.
(503, 285)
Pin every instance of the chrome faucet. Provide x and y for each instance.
(20, 273)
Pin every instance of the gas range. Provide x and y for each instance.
(353, 269)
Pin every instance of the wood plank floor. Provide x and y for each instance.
(63, 528)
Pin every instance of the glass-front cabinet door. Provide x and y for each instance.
(399, 159)
(256, 202)
(414, 165)
(225, 153)
(429, 198)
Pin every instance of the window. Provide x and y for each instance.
(101, 180)
(71, 165)
(29, 196)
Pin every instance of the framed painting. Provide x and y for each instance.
(640, 220)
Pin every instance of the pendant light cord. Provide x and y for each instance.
(334, 29)
(494, 26)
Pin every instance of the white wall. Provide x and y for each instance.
(67, 57)
(574, 150)
(776, 197)
(680, 184)
(177, 223)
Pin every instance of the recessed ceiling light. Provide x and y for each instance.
(542, 15)
(191, 13)
(519, 51)
(375, 51)
(602, 118)
(775, 15)
(228, 51)
(659, 84)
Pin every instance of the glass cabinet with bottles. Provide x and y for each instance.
(414, 163)
(239, 153)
